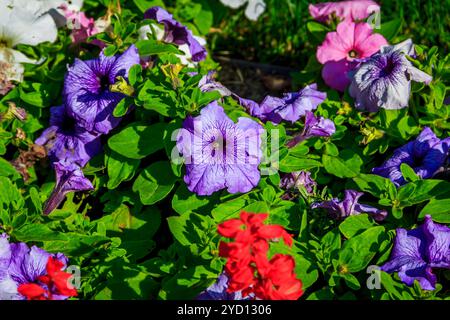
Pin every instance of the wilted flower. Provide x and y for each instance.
(425, 155)
(416, 252)
(219, 291)
(342, 50)
(69, 178)
(314, 127)
(220, 153)
(346, 10)
(288, 108)
(87, 93)
(32, 273)
(254, 7)
(66, 140)
(175, 32)
(384, 80)
(349, 207)
(296, 180)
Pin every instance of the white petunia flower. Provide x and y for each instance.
(21, 23)
(254, 7)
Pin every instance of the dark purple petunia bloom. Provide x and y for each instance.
(349, 206)
(425, 155)
(314, 127)
(416, 252)
(176, 33)
(87, 89)
(69, 178)
(220, 153)
(65, 140)
(384, 79)
(218, 291)
(32, 273)
(298, 179)
(288, 108)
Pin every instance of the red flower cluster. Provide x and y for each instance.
(55, 280)
(248, 266)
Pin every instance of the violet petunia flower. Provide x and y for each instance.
(220, 153)
(87, 92)
(65, 140)
(218, 291)
(425, 155)
(416, 252)
(175, 32)
(384, 80)
(207, 84)
(314, 127)
(296, 180)
(32, 273)
(69, 178)
(343, 49)
(290, 107)
(346, 10)
(349, 206)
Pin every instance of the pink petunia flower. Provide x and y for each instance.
(82, 27)
(346, 10)
(342, 49)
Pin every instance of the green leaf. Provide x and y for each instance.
(120, 169)
(153, 47)
(354, 225)
(135, 74)
(37, 232)
(390, 29)
(155, 182)
(421, 190)
(291, 164)
(357, 252)
(342, 168)
(439, 209)
(408, 173)
(374, 184)
(191, 229)
(184, 201)
(122, 107)
(143, 5)
(137, 140)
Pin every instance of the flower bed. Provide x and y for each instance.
(130, 171)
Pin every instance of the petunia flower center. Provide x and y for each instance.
(104, 83)
(68, 124)
(353, 54)
(388, 68)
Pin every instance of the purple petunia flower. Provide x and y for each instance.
(86, 89)
(207, 83)
(314, 127)
(176, 33)
(295, 180)
(289, 108)
(384, 79)
(65, 140)
(218, 291)
(416, 252)
(220, 153)
(425, 155)
(69, 178)
(349, 207)
(32, 273)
